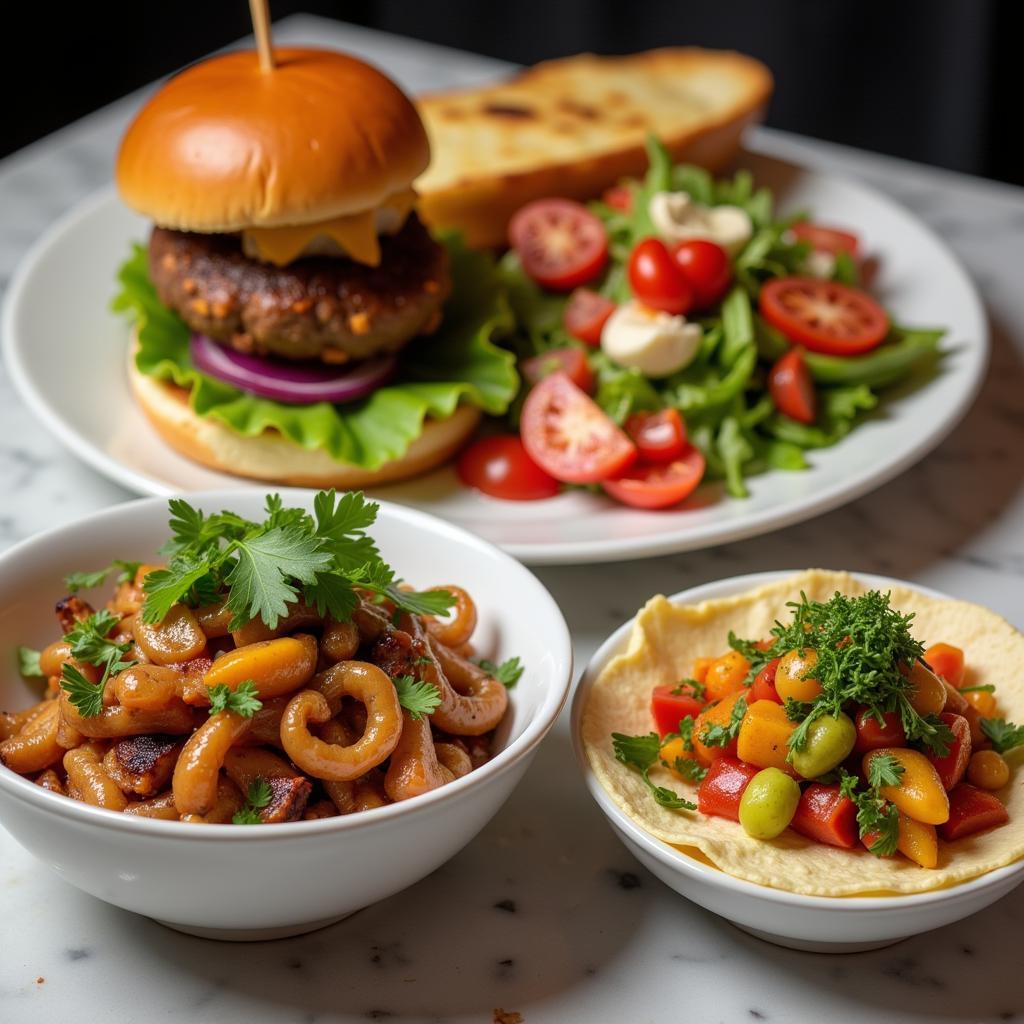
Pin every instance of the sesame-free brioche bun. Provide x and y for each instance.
(224, 145)
(273, 458)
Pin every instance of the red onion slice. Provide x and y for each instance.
(295, 383)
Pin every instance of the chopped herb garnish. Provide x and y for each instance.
(242, 700)
(257, 797)
(688, 768)
(508, 673)
(90, 642)
(689, 687)
(87, 580)
(875, 815)
(87, 697)
(884, 770)
(1004, 735)
(417, 697)
(28, 663)
(641, 753)
(723, 735)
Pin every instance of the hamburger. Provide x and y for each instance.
(294, 321)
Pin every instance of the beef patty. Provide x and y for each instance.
(320, 307)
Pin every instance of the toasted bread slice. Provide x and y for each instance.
(573, 127)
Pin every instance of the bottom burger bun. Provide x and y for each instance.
(272, 458)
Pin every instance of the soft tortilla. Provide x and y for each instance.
(666, 639)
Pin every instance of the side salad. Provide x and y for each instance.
(679, 330)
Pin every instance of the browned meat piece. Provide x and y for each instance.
(320, 307)
(288, 800)
(143, 764)
(70, 611)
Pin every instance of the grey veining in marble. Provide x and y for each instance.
(545, 913)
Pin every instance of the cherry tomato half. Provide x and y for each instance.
(560, 242)
(658, 436)
(705, 266)
(824, 316)
(791, 387)
(656, 280)
(873, 734)
(567, 434)
(763, 687)
(586, 314)
(571, 361)
(653, 487)
(499, 466)
(669, 708)
(618, 197)
(826, 239)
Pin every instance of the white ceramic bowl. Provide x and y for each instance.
(264, 881)
(818, 923)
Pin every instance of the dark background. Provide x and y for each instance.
(931, 80)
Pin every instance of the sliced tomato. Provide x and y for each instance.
(792, 389)
(827, 239)
(586, 314)
(670, 708)
(763, 687)
(570, 361)
(655, 279)
(566, 433)
(618, 197)
(653, 487)
(705, 265)
(659, 436)
(560, 242)
(722, 789)
(499, 466)
(873, 734)
(824, 316)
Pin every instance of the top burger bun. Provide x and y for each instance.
(225, 146)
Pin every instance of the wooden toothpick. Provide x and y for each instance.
(260, 11)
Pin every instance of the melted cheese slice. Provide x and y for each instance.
(355, 234)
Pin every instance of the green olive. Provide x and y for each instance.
(830, 739)
(768, 803)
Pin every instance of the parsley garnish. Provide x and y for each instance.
(685, 732)
(884, 770)
(641, 752)
(90, 642)
(258, 796)
(417, 697)
(508, 673)
(876, 815)
(242, 700)
(28, 663)
(688, 768)
(1004, 735)
(321, 557)
(689, 687)
(87, 580)
(723, 735)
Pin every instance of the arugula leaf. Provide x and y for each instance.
(508, 673)
(714, 735)
(641, 753)
(242, 700)
(76, 581)
(417, 697)
(257, 797)
(1004, 735)
(87, 697)
(28, 663)
(884, 770)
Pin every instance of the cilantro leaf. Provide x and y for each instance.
(1004, 735)
(508, 673)
(417, 697)
(875, 816)
(28, 663)
(164, 588)
(428, 602)
(341, 523)
(259, 582)
(258, 796)
(688, 768)
(884, 770)
(723, 735)
(242, 700)
(848, 784)
(87, 697)
(689, 687)
(641, 752)
(89, 642)
(126, 571)
(333, 595)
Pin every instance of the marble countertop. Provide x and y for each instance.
(545, 913)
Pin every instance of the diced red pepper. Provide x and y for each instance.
(873, 734)
(972, 810)
(951, 768)
(670, 708)
(763, 687)
(826, 816)
(723, 786)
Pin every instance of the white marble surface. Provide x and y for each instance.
(545, 913)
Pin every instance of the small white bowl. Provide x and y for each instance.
(821, 924)
(267, 881)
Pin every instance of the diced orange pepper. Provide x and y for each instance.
(919, 793)
(946, 661)
(716, 714)
(700, 668)
(764, 736)
(726, 675)
(918, 842)
(675, 750)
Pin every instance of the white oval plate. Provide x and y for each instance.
(66, 351)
